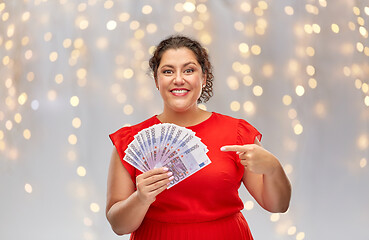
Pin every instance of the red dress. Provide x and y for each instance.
(205, 205)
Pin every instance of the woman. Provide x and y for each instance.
(206, 205)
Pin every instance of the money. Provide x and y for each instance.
(168, 145)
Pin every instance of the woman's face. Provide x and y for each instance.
(179, 79)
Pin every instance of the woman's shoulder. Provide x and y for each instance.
(133, 129)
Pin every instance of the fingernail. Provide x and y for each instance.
(170, 173)
(222, 149)
(165, 169)
(171, 178)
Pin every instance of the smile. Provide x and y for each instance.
(179, 92)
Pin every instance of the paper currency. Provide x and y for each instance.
(167, 145)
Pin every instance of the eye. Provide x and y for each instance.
(167, 72)
(190, 70)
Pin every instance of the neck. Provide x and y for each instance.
(185, 118)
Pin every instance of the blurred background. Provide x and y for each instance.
(73, 71)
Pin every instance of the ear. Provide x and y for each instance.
(156, 84)
(204, 76)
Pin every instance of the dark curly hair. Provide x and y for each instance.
(179, 41)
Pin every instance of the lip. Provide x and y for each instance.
(182, 91)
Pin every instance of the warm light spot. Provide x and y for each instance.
(247, 80)
(363, 162)
(128, 109)
(124, 17)
(257, 90)
(22, 98)
(72, 155)
(147, 9)
(128, 73)
(300, 90)
(320, 110)
(74, 101)
(323, 3)
(335, 28)
(346, 71)
(365, 88)
(87, 221)
(205, 38)
(102, 43)
(292, 113)
(10, 30)
(72, 139)
(239, 26)
(178, 7)
(274, 217)
(27, 134)
(366, 10)
(151, 28)
(178, 27)
(94, 207)
(235, 106)
(312, 83)
(249, 205)
(232, 83)
(81, 171)
(76, 122)
(310, 70)
(366, 101)
(245, 6)
(249, 107)
(67, 43)
(300, 236)
(201, 8)
(243, 47)
(288, 10)
(111, 25)
(363, 142)
(139, 34)
(81, 73)
(310, 51)
(59, 78)
(189, 7)
(287, 100)
(298, 129)
(356, 11)
(28, 188)
(363, 31)
(256, 49)
(268, 70)
(108, 4)
(291, 230)
(78, 43)
(53, 56)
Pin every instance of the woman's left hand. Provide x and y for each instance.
(255, 158)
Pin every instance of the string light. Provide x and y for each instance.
(193, 17)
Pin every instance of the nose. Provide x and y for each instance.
(178, 80)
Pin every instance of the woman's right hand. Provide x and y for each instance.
(149, 184)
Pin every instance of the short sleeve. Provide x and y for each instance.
(121, 139)
(246, 133)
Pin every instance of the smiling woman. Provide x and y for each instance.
(205, 205)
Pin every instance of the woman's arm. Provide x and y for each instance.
(264, 177)
(125, 206)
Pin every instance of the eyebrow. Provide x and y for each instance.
(184, 65)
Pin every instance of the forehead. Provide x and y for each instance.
(178, 56)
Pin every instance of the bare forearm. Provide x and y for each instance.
(127, 215)
(276, 191)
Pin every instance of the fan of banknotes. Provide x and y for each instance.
(167, 145)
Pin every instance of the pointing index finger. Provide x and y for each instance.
(233, 148)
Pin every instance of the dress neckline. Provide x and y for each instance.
(193, 126)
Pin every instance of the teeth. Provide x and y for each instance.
(179, 91)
